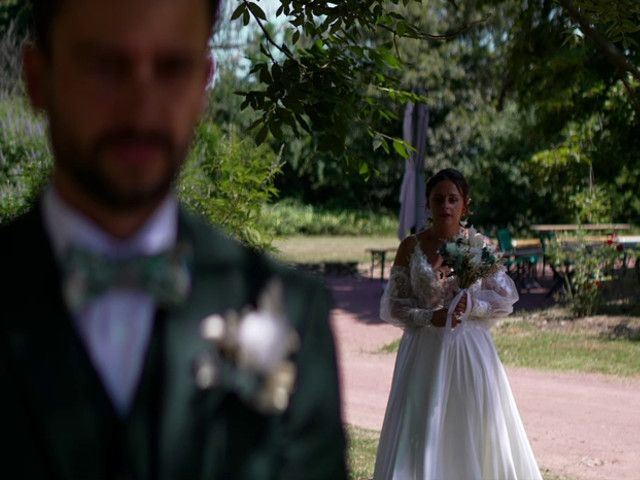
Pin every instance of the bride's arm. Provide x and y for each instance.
(398, 304)
(495, 297)
(413, 297)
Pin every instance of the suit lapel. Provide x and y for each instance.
(51, 364)
(190, 414)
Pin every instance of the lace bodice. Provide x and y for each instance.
(416, 291)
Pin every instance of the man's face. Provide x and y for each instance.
(123, 89)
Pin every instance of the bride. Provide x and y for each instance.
(451, 414)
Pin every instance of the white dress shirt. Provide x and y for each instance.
(116, 326)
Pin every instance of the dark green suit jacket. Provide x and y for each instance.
(57, 422)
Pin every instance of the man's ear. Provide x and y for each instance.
(33, 73)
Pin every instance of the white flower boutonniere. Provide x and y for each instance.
(255, 347)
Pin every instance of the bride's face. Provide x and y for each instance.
(447, 204)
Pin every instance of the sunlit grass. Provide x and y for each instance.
(528, 344)
(361, 454)
(313, 249)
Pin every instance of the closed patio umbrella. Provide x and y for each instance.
(412, 193)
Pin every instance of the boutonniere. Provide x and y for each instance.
(252, 354)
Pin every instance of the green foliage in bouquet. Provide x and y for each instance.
(470, 257)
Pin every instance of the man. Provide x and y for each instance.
(136, 342)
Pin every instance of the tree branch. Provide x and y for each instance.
(269, 39)
(608, 49)
(603, 44)
(427, 36)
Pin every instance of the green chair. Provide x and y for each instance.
(505, 244)
(521, 264)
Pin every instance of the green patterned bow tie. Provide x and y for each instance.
(165, 277)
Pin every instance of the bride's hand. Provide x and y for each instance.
(441, 270)
(439, 318)
(461, 307)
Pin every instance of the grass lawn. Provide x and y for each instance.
(314, 249)
(601, 344)
(362, 445)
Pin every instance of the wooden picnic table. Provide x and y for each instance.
(567, 227)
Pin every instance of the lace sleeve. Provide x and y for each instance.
(494, 297)
(399, 304)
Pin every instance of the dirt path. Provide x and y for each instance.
(584, 427)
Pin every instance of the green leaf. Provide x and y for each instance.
(276, 130)
(239, 11)
(261, 136)
(399, 147)
(256, 11)
(377, 141)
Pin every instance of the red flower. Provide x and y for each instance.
(619, 247)
(610, 241)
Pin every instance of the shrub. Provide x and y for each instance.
(227, 180)
(289, 217)
(25, 159)
(585, 268)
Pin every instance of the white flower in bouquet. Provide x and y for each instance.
(470, 257)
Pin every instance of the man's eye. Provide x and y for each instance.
(174, 68)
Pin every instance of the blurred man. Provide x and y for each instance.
(136, 342)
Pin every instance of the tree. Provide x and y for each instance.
(584, 109)
(517, 91)
(327, 73)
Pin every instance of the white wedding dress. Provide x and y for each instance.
(451, 414)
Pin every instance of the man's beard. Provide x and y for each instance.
(86, 167)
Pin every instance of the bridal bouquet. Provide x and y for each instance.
(470, 257)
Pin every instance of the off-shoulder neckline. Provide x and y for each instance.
(417, 251)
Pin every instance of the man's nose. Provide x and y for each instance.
(141, 99)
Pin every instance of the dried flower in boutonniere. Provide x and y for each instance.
(470, 257)
(255, 347)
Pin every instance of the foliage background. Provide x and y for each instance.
(539, 116)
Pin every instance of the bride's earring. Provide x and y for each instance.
(464, 221)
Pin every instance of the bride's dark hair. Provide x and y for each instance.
(455, 177)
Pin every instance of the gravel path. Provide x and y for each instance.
(582, 426)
